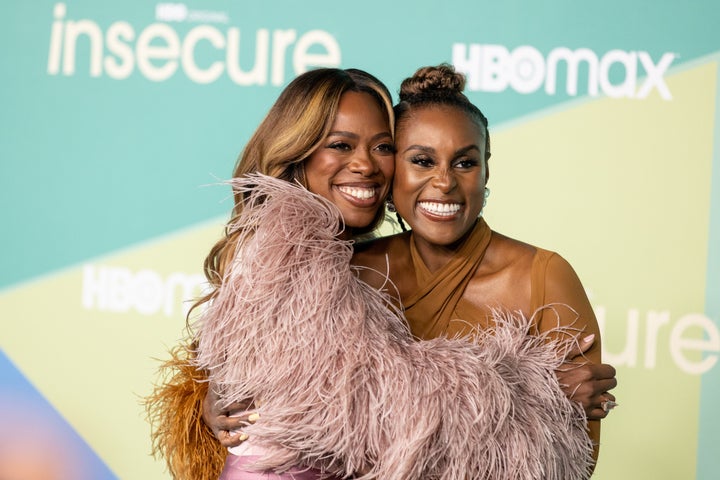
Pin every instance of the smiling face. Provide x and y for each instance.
(354, 164)
(440, 173)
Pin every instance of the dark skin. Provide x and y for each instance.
(452, 171)
(441, 170)
(502, 279)
(506, 264)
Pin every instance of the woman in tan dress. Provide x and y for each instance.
(452, 267)
(451, 270)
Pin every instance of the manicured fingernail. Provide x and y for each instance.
(243, 437)
(589, 338)
(253, 417)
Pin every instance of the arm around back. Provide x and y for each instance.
(558, 287)
(179, 434)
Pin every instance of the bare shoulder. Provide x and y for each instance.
(503, 278)
(561, 276)
(505, 254)
(382, 257)
(562, 286)
(517, 257)
(369, 253)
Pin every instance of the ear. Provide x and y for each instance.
(487, 167)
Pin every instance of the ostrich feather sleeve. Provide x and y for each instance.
(179, 434)
(343, 386)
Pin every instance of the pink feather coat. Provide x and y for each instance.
(342, 384)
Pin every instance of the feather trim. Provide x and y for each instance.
(178, 432)
(344, 387)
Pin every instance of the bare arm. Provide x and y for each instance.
(584, 378)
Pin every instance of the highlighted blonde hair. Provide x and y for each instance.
(295, 126)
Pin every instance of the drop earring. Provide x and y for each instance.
(391, 208)
(486, 194)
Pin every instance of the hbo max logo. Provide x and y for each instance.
(494, 68)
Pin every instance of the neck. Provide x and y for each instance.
(346, 234)
(436, 256)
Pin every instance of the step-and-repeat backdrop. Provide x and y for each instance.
(118, 121)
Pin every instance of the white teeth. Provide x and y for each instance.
(360, 193)
(443, 209)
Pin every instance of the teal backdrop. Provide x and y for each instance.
(119, 121)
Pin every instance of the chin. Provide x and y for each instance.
(358, 223)
(444, 239)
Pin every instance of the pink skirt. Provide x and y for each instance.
(239, 468)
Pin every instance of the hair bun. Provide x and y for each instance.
(437, 80)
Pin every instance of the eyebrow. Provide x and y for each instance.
(352, 135)
(426, 149)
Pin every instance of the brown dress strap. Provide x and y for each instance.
(431, 308)
(537, 282)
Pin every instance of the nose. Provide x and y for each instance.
(364, 163)
(444, 180)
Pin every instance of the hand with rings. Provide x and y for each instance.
(587, 383)
(227, 423)
(608, 405)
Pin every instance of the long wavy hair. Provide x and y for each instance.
(295, 126)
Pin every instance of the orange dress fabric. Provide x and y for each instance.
(437, 307)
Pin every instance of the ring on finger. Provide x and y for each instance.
(608, 405)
